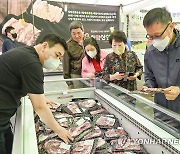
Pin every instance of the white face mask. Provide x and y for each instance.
(51, 63)
(161, 44)
(119, 50)
(92, 54)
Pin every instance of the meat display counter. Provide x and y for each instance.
(156, 128)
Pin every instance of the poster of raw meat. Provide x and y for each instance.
(33, 19)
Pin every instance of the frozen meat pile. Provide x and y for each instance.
(94, 129)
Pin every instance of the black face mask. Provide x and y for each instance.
(14, 35)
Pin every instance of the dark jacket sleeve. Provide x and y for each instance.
(7, 45)
(106, 72)
(148, 75)
(138, 67)
(66, 67)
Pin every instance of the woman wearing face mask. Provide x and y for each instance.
(92, 63)
(122, 67)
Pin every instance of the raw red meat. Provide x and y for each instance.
(88, 103)
(62, 115)
(95, 133)
(111, 133)
(73, 108)
(78, 130)
(83, 147)
(101, 110)
(126, 144)
(151, 90)
(56, 147)
(106, 121)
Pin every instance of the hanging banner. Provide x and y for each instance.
(136, 31)
(32, 20)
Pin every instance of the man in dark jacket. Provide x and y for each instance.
(9, 42)
(162, 59)
(73, 56)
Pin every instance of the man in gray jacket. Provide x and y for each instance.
(162, 59)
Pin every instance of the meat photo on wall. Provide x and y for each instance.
(26, 32)
(32, 20)
(47, 11)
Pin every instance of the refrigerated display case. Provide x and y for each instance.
(142, 119)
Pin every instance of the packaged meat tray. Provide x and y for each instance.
(105, 120)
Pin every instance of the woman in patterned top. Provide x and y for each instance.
(122, 67)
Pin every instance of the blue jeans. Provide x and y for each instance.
(6, 141)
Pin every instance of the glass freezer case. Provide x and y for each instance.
(157, 128)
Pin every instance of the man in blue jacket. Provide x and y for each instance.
(162, 59)
(9, 42)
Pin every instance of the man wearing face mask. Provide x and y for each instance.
(9, 42)
(93, 62)
(162, 59)
(22, 74)
(122, 66)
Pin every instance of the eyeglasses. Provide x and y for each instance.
(151, 38)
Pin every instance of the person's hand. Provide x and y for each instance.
(172, 92)
(133, 77)
(64, 135)
(71, 86)
(50, 103)
(117, 76)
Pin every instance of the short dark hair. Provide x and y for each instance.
(75, 25)
(93, 42)
(53, 39)
(157, 15)
(118, 36)
(8, 29)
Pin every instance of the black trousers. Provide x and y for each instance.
(6, 141)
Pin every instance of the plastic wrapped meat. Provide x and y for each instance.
(101, 143)
(56, 147)
(71, 108)
(96, 132)
(126, 144)
(46, 11)
(100, 110)
(106, 121)
(81, 128)
(62, 115)
(115, 133)
(83, 147)
(43, 136)
(26, 33)
(63, 122)
(87, 103)
(152, 90)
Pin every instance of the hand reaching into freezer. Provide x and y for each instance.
(39, 104)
